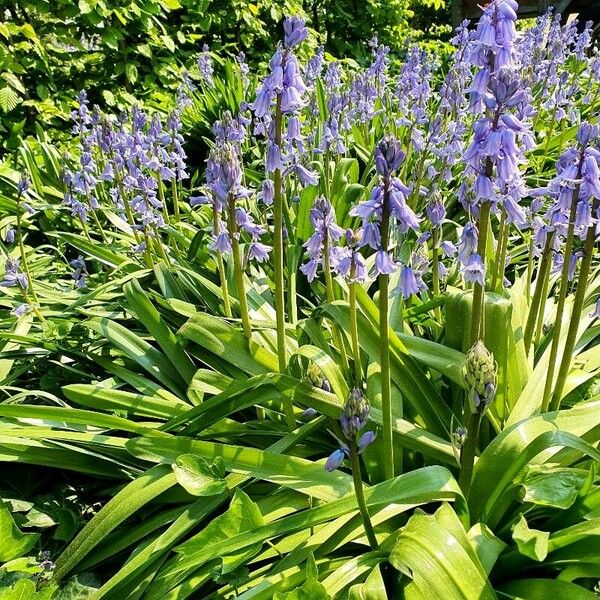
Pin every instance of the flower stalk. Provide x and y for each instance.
(538, 294)
(584, 272)
(384, 344)
(477, 313)
(562, 295)
(278, 247)
(360, 497)
(238, 268)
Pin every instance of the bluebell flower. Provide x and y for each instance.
(384, 263)
(259, 251)
(20, 310)
(409, 284)
(294, 31)
(474, 270)
(365, 440)
(326, 233)
(353, 418)
(13, 276)
(336, 458)
(9, 236)
(80, 271)
(267, 192)
(23, 184)
(436, 211)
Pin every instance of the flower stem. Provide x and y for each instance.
(221, 269)
(360, 497)
(99, 226)
(542, 310)
(384, 345)
(279, 271)
(529, 268)
(467, 457)
(175, 200)
(562, 296)
(584, 272)
(237, 268)
(542, 277)
(435, 252)
(477, 313)
(22, 251)
(498, 276)
(354, 326)
(337, 338)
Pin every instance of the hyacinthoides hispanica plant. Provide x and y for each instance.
(390, 246)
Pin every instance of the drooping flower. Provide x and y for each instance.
(326, 233)
(13, 276)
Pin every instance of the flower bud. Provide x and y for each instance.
(365, 440)
(354, 414)
(308, 414)
(480, 374)
(388, 156)
(336, 458)
(459, 437)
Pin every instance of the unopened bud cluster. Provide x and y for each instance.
(352, 420)
(480, 373)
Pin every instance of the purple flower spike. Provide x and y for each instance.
(205, 66)
(388, 156)
(295, 31)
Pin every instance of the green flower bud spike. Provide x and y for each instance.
(480, 373)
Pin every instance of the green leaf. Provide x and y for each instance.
(530, 542)
(509, 453)
(195, 513)
(243, 515)
(131, 72)
(372, 589)
(487, 546)
(159, 330)
(197, 476)
(14, 543)
(102, 398)
(311, 589)
(553, 487)
(140, 351)
(229, 343)
(168, 42)
(132, 497)
(543, 589)
(433, 550)
(9, 99)
(305, 476)
(24, 589)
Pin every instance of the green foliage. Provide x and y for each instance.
(131, 53)
(143, 438)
